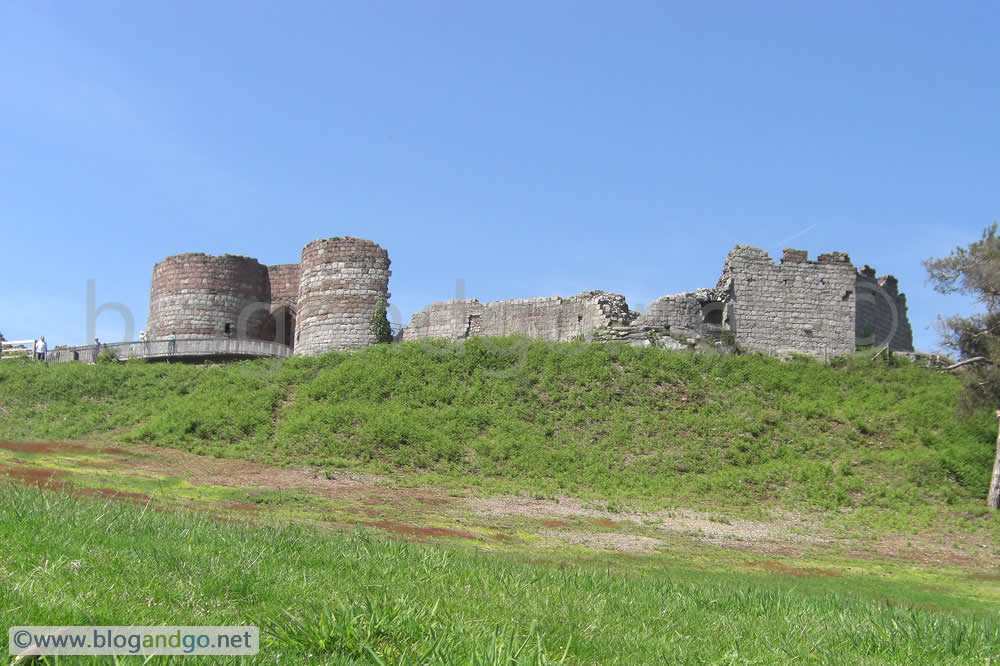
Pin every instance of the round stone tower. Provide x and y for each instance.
(197, 295)
(342, 280)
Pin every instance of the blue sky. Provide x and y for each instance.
(529, 149)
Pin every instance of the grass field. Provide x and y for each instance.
(579, 503)
(606, 421)
(346, 597)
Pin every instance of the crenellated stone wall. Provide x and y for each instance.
(801, 306)
(197, 295)
(881, 312)
(548, 318)
(341, 282)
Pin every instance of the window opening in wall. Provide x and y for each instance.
(847, 294)
(227, 328)
(579, 318)
(713, 317)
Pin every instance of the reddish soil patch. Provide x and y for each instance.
(42, 447)
(241, 506)
(34, 476)
(114, 450)
(555, 523)
(410, 530)
(431, 501)
(798, 572)
(372, 513)
(604, 522)
(985, 576)
(141, 498)
(96, 464)
(47, 478)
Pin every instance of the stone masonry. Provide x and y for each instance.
(799, 306)
(341, 283)
(198, 295)
(280, 326)
(551, 318)
(822, 308)
(881, 313)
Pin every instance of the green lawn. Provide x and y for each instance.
(333, 597)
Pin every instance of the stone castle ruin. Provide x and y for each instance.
(822, 308)
(323, 303)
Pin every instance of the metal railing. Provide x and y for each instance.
(167, 349)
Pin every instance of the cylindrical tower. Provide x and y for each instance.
(341, 282)
(196, 295)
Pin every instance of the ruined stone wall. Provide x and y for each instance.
(280, 325)
(548, 318)
(823, 308)
(798, 305)
(693, 314)
(195, 295)
(451, 320)
(284, 279)
(340, 284)
(881, 312)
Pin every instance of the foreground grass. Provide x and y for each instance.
(878, 443)
(345, 598)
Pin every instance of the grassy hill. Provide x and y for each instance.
(643, 426)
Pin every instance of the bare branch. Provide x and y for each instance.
(975, 359)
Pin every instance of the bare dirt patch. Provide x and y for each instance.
(631, 543)
(111, 493)
(774, 537)
(42, 477)
(241, 506)
(798, 572)
(44, 447)
(985, 576)
(34, 476)
(411, 530)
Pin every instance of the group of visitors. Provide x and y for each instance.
(42, 347)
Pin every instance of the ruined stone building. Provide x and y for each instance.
(323, 303)
(823, 308)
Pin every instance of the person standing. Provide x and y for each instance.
(171, 343)
(41, 348)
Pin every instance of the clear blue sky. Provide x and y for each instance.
(530, 149)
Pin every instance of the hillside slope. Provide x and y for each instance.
(596, 420)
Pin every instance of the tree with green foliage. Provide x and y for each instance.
(975, 271)
(380, 323)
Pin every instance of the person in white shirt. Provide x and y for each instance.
(41, 348)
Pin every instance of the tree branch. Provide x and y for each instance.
(974, 359)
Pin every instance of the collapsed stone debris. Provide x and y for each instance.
(821, 308)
